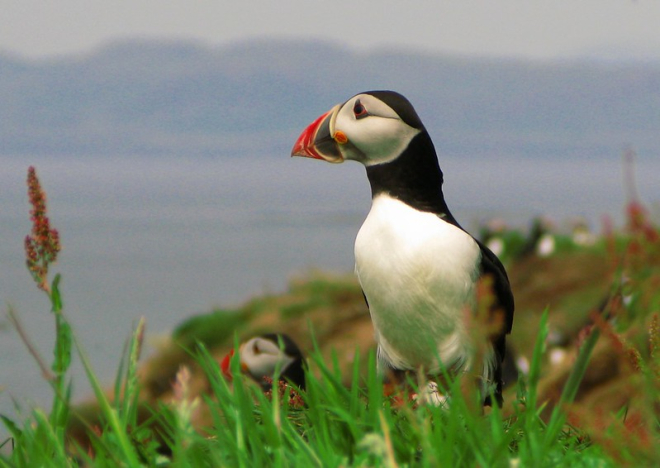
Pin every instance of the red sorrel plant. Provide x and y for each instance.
(45, 438)
(630, 327)
(43, 244)
(41, 248)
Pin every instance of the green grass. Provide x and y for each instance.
(335, 424)
(330, 424)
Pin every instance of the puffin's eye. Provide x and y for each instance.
(359, 110)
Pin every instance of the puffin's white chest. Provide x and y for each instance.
(417, 272)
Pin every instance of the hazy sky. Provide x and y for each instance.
(522, 28)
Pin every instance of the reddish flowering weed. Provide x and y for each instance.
(295, 400)
(43, 244)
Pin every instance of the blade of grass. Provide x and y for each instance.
(131, 389)
(121, 370)
(535, 365)
(571, 387)
(13, 319)
(108, 411)
(58, 456)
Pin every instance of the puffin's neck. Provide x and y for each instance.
(414, 178)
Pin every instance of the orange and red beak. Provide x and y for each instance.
(225, 365)
(320, 140)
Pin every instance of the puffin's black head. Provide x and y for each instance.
(373, 127)
(263, 355)
(381, 130)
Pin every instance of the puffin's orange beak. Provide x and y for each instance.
(225, 365)
(320, 140)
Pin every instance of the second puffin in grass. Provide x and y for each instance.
(419, 269)
(269, 356)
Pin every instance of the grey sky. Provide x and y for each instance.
(522, 28)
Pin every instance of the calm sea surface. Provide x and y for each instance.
(169, 238)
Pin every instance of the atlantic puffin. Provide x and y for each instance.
(262, 356)
(418, 268)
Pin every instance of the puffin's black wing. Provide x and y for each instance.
(491, 266)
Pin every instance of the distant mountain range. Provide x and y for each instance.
(180, 98)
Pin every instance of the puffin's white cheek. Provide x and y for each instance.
(383, 140)
(262, 365)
